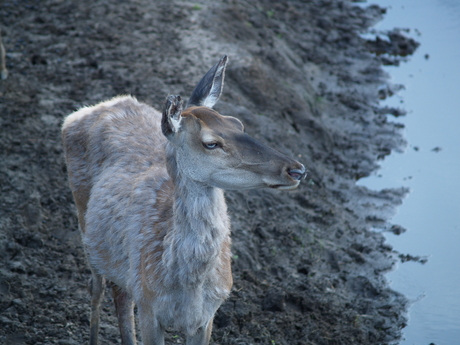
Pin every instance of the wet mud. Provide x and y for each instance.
(308, 264)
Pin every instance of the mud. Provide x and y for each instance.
(308, 264)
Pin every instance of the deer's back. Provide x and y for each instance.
(120, 132)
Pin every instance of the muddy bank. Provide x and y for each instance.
(308, 269)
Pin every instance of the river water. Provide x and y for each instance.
(430, 167)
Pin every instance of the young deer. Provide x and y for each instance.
(148, 189)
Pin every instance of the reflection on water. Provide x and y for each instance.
(430, 167)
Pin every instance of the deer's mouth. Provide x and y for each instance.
(284, 186)
(295, 176)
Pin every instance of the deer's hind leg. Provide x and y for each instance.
(96, 287)
(124, 306)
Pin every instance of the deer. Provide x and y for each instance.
(148, 187)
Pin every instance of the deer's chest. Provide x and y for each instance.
(188, 308)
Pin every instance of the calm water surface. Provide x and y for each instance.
(430, 167)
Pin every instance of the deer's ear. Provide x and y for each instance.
(209, 89)
(171, 120)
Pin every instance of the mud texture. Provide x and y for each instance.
(308, 264)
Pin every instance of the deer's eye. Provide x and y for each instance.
(211, 146)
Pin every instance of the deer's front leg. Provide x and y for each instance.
(151, 331)
(202, 336)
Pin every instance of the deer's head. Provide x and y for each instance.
(214, 149)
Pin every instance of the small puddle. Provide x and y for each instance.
(430, 167)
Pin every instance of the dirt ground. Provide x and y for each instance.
(308, 264)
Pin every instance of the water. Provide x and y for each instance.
(430, 167)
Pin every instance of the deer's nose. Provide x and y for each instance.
(297, 174)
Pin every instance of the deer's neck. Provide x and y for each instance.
(200, 229)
